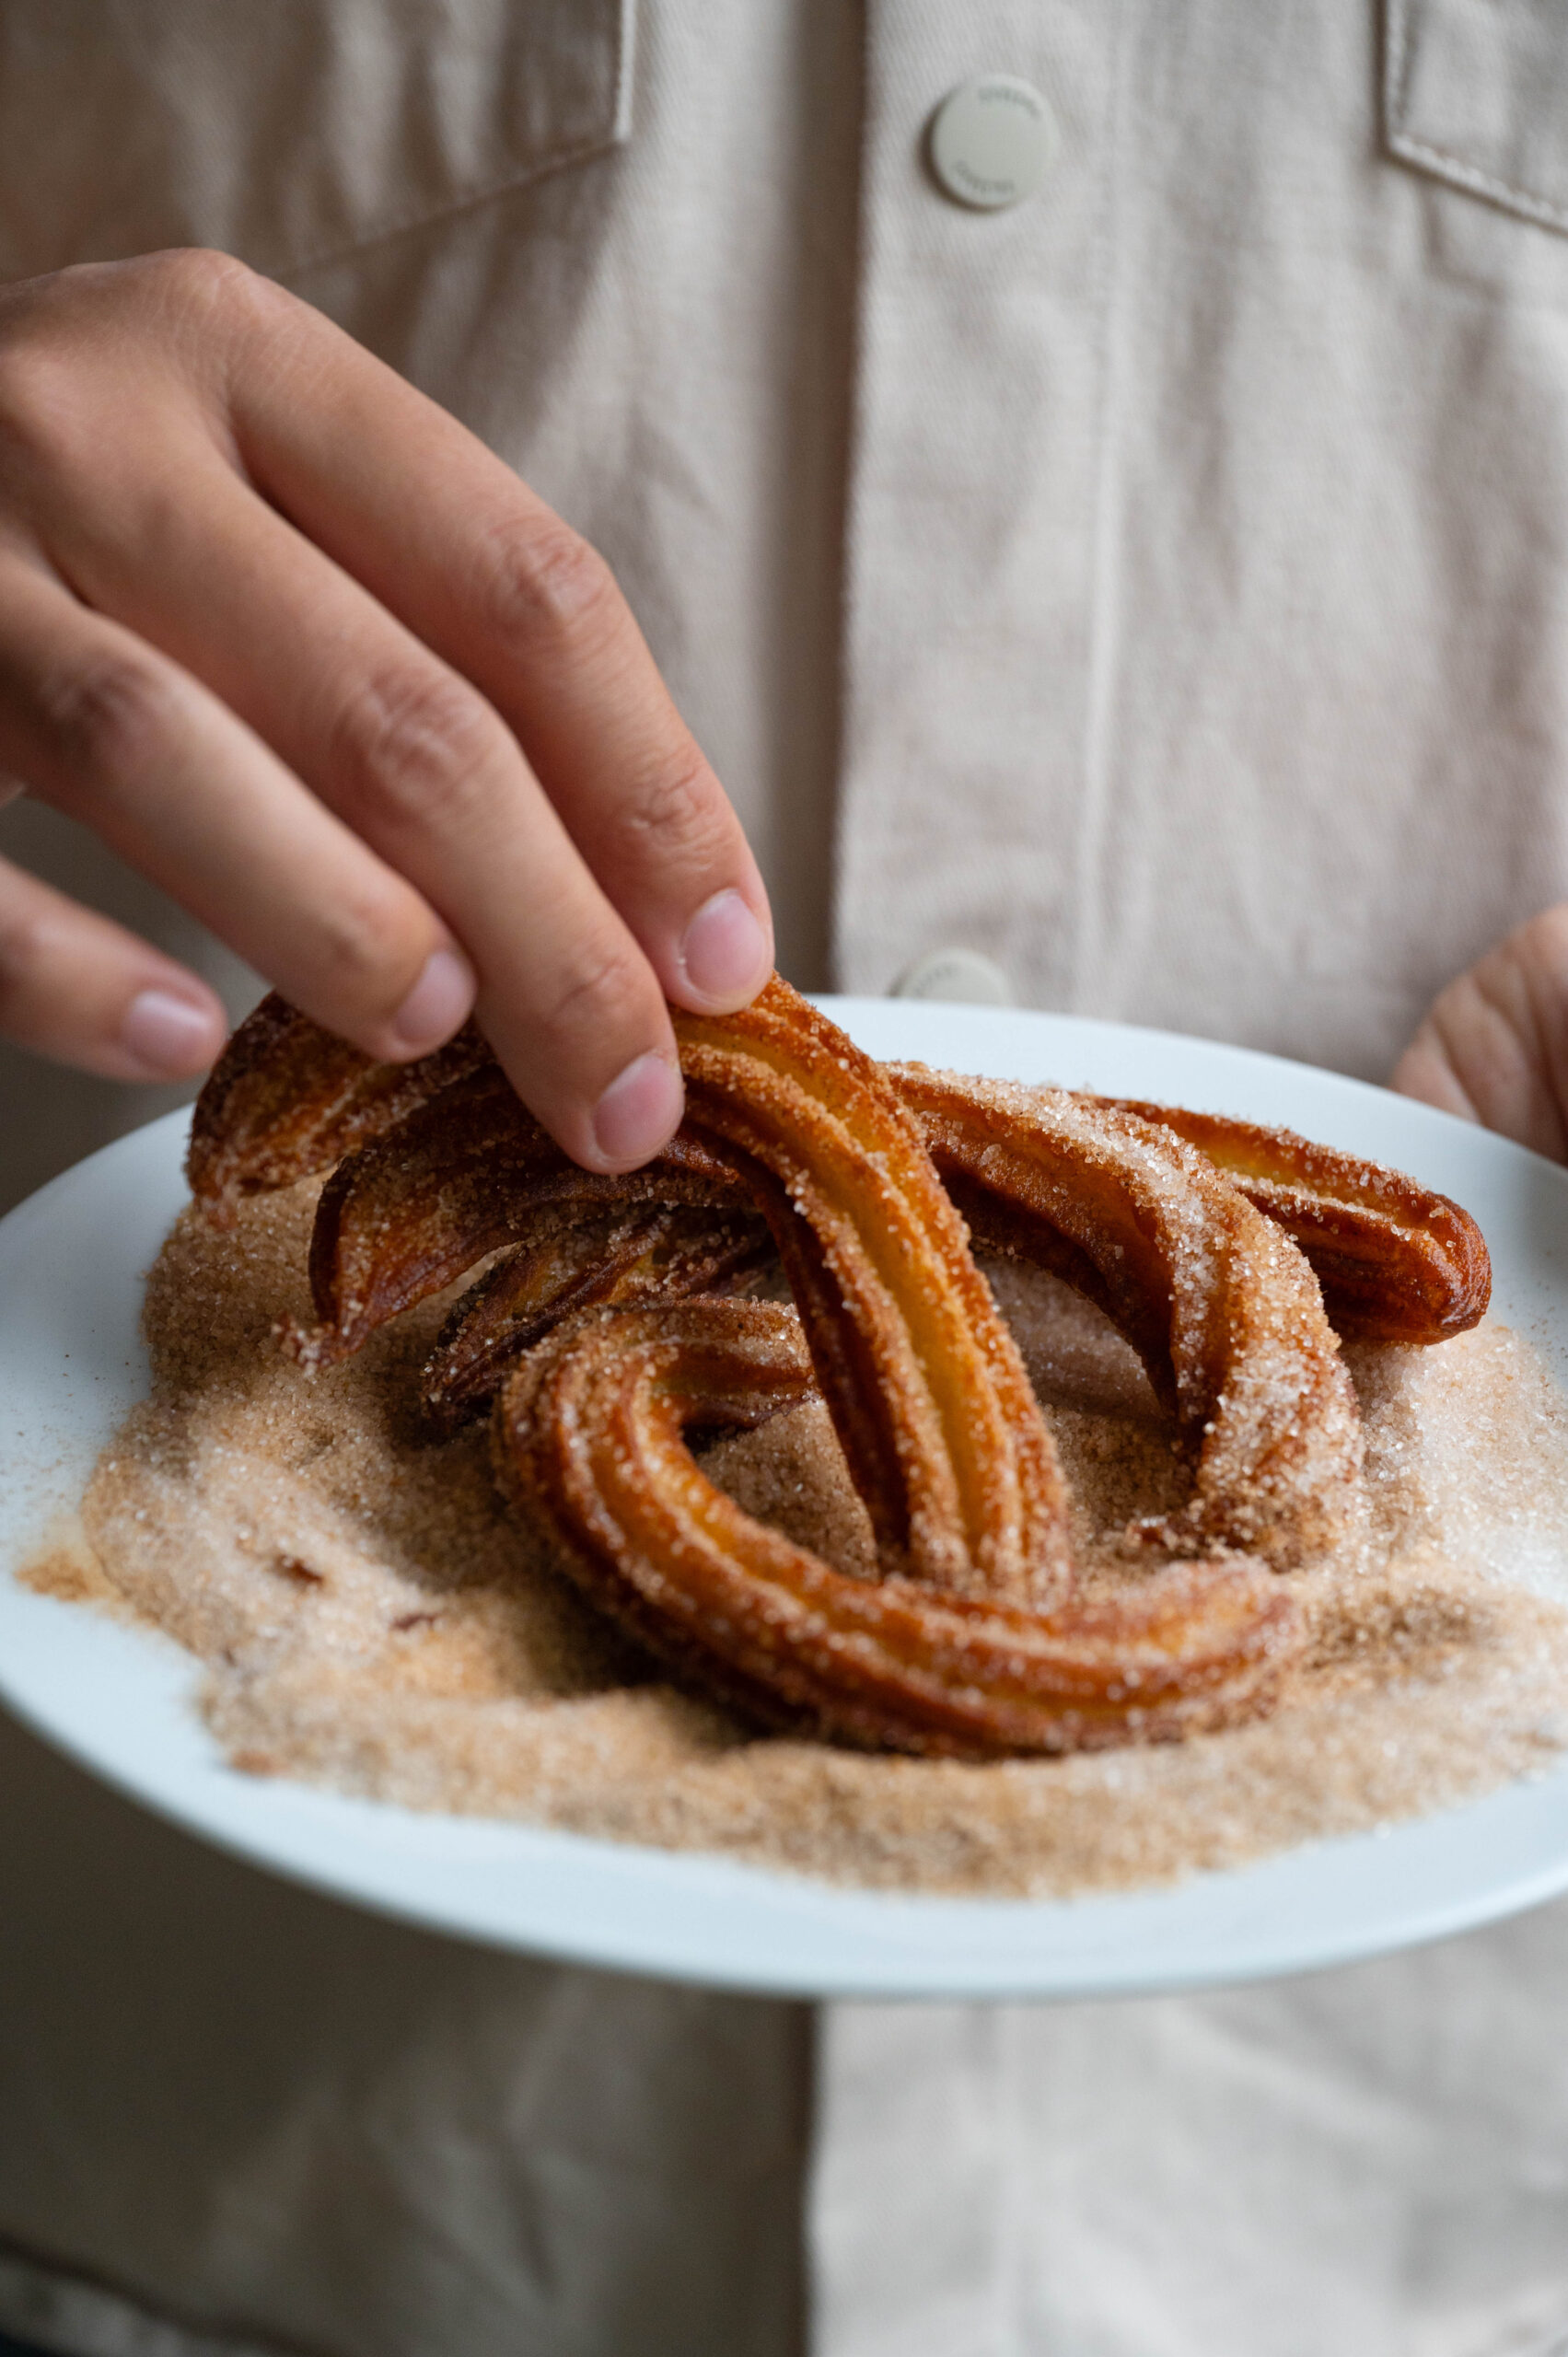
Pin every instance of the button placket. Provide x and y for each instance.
(972, 496)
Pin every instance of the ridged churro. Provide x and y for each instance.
(866, 1182)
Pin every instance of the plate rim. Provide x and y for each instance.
(908, 1945)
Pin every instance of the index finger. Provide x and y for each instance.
(448, 538)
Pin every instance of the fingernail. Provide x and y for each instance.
(439, 1002)
(170, 1035)
(724, 952)
(639, 1112)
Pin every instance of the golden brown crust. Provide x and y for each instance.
(922, 1377)
(1397, 1261)
(974, 1641)
(287, 1099)
(1221, 1306)
(959, 1479)
(464, 1174)
(959, 1476)
(588, 1439)
(573, 1259)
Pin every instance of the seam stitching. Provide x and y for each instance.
(1454, 168)
(465, 200)
(1397, 63)
(1442, 161)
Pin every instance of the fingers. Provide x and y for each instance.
(420, 766)
(1426, 1071)
(75, 987)
(1493, 1047)
(409, 733)
(114, 734)
(446, 536)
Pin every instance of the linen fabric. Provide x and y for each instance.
(1158, 587)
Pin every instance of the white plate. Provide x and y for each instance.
(71, 1266)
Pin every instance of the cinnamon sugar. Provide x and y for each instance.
(371, 1618)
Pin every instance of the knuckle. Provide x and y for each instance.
(599, 990)
(670, 808)
(112, 716)
(365, 955)
(42, 398)
(25, 940)
(543, 586)
(75, 341)
(202, 271)
(213, 315)
(68, 309)
(193, 282)
(413, 746)
(1543, 939)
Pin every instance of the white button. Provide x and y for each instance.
(964, 977)
(992, 140)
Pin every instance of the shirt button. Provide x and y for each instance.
(992, 140)
(965, 977)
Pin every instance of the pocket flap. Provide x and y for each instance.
(287, 131)
(1476, 93)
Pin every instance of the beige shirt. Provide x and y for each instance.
(1160, 587)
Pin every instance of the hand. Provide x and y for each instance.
(309, 657)
(1493, 1048)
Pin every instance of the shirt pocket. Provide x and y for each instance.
(1475, 92)
(287, 131)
